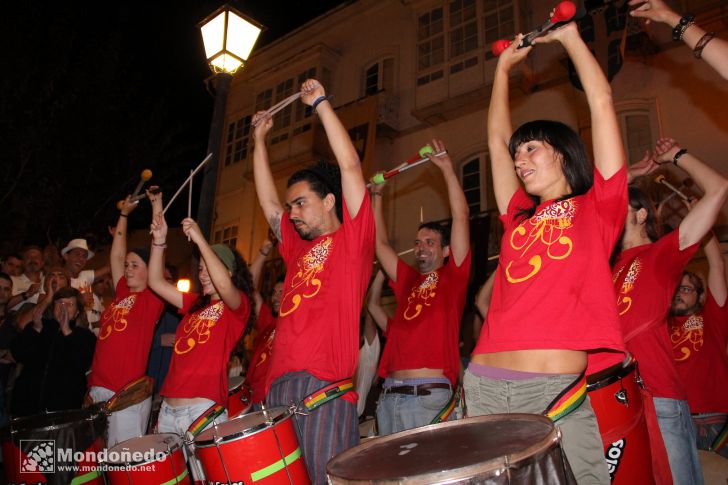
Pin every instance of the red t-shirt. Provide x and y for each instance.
(645, 278)
(552, 288)
(125, 337)
(425, 330)
(202, 346)
(699, 346)
(265, 325)
(318, 320)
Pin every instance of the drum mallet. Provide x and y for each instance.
(660, 179)
(564, 12)
(154, 190)
(419, 159)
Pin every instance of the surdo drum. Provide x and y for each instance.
(494, 449)
(617, 402)
(148, 460)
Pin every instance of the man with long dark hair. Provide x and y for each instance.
(326, 239)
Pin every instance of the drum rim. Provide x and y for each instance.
(235, 389)
(608, 376)
(169, 452)
(535, 450)
(92, 415)
(206, 443)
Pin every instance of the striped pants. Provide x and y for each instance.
(323, 433)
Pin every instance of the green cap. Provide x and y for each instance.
(378, 178)
(226, 255)
(425, 150)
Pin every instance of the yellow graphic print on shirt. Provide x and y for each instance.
(420, 296)
(116, 317)
(198, 328)
(268, 347)
(304, 283)
(687, 338)
(546, 228)
(624, 302)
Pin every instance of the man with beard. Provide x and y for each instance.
(699, 332)
(28, 285)
(645, 274)
(421, 360)
(326, 240)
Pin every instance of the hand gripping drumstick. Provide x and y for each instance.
(153, 190)
(420, 158)
(277, 107)
(660, 179)
(564, 12)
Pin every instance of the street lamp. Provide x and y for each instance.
(229, 37)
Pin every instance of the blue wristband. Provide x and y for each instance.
(318, 101)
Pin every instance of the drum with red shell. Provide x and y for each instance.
(55, 448)
(148, 460)
(617, 402)
(239, 397)
(259, 447)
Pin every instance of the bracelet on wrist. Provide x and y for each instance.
(160, 245)
(679, 154)
(318, 101)
(123, 215)
(698, 50)
(679, 30)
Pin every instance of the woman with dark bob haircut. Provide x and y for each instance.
(553, 302)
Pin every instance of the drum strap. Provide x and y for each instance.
(445, 412)
(329, 393)
(720, 440)
(568, 400)
(207, 417)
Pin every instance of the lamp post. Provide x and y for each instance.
(229, 37)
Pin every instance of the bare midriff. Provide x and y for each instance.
(415, 373)
(176, 402)
(544, 361)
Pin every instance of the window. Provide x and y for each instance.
(498, 23)
(430, 40)
(263, 100)
(227, 235)
(282, 119)
(379, 76)
(470, 175)
(639, 124)
(237, 139)
(463, 27)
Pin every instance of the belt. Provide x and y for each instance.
(419, 390)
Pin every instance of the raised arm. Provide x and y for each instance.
(155, 273)
(384, 251)
(264, 184)
(717, 283)
(374, 302)
(702, 216)
(715, 52)
(459, 210)
(117, 256)
(256, 270)
(609, 154)
(219, 274)
(353, 186)
(500, 129)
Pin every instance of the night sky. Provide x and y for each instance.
(92, 94)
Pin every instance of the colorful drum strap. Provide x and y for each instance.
(720, 440)
(568, 400)
(326, 394)
(210, 415)
(449, 408)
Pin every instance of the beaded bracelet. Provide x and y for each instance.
(679, 30)
(698, 51)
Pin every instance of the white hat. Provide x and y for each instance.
(77, 243)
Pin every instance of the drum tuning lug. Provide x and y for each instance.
(621, 397)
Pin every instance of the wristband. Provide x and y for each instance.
(679, 30)
(123, 215)
(679, 154)
(318, 101)
(162, 245)
(698, 50)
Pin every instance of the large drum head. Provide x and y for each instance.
(242, 426)
(161, 444)
(441, 453)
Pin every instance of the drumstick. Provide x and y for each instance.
(660, 179)
(189, 202)
(207, 159)
(380, 177)
(277, 107)
(146, 175)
